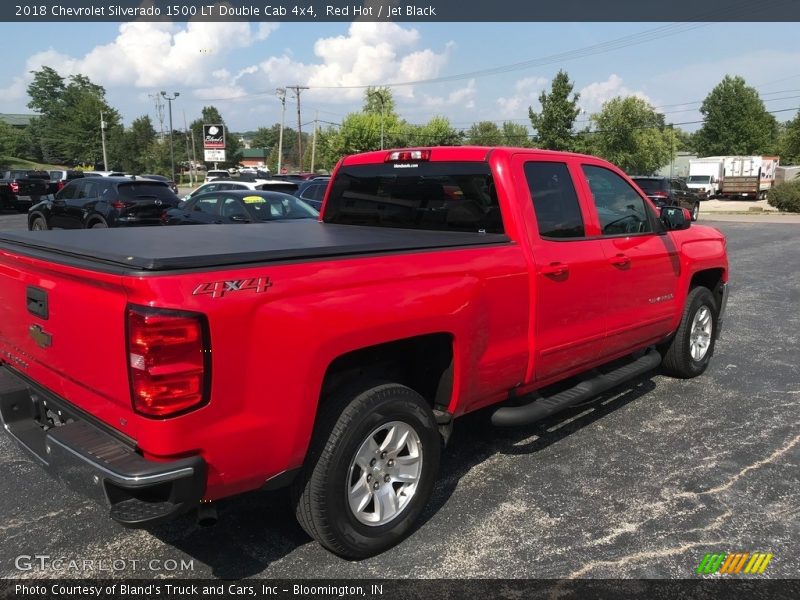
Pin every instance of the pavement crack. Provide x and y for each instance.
(756, 465)
(635, 557)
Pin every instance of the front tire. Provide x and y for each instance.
(688, 353)
(38, 224)
(370, 470)
(99, 224)
(695, 211)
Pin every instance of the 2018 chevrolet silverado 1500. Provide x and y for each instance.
(161, 369)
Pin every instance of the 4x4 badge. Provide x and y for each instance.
(40, 336)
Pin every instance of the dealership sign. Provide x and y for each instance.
(214, 155)
(214, 136)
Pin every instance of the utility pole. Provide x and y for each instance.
(171, 148)
(103, 140)
(159, 113)
(194, 150)
(314, 140)
(186, 136)
(297, 89)
(281, 92)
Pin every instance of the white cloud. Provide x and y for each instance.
(526, 93)
(595, 94)
(369, 54)
(156, 54)
(462, 97)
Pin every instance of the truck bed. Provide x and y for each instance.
(143, 249)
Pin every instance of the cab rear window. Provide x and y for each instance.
(441, 196)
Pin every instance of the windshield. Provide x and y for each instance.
(700, 179)
(149, 189)
(270, 207)
(442, 196)
(649, 185)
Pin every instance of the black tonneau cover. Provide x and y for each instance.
(160, 248)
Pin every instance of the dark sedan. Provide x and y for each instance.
(238, 206)
(92, 202)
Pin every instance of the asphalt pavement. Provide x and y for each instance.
(639, 483)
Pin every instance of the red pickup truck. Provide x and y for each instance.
(160, 369)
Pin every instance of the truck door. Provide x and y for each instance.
(568, 298)
(641, 266)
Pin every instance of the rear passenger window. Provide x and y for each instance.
(555, 202)
(620, 209)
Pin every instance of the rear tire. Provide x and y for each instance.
(688, 353)
(695, 211)
(99, 224)
(370, 470)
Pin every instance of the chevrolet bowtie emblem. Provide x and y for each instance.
(40, 336)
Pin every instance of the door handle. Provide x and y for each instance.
(555, 268)
(620, 260)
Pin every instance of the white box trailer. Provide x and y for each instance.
(705, 175)
(748, 176)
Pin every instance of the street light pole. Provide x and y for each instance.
(103, 140)
(171, 149)
(281, 92)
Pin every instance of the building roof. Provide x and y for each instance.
(17, 119)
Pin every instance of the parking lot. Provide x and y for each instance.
(641, 482)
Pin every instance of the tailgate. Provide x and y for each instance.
(33, 187)
(64, 328)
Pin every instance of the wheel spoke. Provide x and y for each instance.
(407, 469)
(386, 504)
(360, 495)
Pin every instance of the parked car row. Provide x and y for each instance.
(20, 189)
(116, 201)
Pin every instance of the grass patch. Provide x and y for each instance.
(13, 162)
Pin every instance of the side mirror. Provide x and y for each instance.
(675, 218)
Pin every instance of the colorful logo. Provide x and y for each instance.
(734, 564)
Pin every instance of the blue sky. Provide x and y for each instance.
(237, 66)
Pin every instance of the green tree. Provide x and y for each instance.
(484, 133)
(266, 137)
(436, 132)
(515, 134)
(11, 142)
(735, 121)
(379, 101)
(789, 143)
(632, 135)
(68, 125)
(132, 149)
(554, 124)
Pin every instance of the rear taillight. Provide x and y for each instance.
(120, 204)
(14, 187)
(408, 155)
(168, 361)
(60, 185)
(659, 195)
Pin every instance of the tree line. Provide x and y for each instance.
(627, 131)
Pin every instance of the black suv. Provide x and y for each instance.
(92, 202)
(20, 189)
(665, 191)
